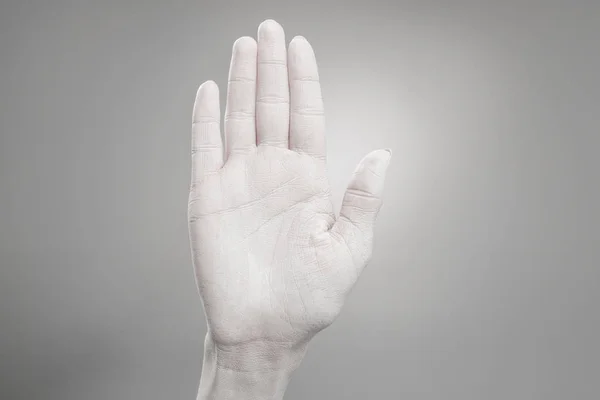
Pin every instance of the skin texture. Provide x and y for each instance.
(273, 262)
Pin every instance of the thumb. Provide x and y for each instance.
(360, 206)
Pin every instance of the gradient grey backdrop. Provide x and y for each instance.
(485, 278)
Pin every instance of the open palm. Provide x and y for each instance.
(272, 261)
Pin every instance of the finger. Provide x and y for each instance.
(240, 130)
(207, 147)
(307, 122)
(360, 206)
(272, 91)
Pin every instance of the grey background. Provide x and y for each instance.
(485, 277)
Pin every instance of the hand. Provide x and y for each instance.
(273, 263)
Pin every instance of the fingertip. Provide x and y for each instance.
(207, 101)
(378, 159)
(371, 170)
(269, 26)
(299, 38)
(299, 42)
(386, 156)
(207, 88)
(244, 45)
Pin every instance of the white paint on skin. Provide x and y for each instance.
(274, 263)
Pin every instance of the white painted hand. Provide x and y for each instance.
(272, 261)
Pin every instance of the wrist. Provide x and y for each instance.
(254, 370)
